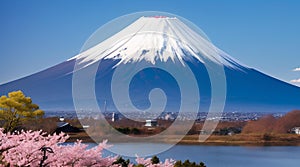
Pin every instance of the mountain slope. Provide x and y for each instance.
(152, 40)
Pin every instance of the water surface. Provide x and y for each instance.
(224, 156)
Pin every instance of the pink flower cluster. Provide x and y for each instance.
(23, 149)
(147, 162)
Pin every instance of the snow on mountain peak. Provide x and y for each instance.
(155, 38)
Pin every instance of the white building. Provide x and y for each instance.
(296, 130)
(114, 117)
(61, 119)
(151, 123)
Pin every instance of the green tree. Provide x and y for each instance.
(187, 163)
(15, 108)
(155, 160)
(202, 164)
(120, 161)
(178, 164)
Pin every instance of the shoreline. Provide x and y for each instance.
(214, 140)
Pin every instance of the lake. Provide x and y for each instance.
(224, 156)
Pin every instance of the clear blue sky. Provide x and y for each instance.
(35, 35)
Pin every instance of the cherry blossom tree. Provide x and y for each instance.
(24, 149)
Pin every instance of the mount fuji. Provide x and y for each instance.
(155, 40)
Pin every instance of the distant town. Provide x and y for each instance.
(202, 116)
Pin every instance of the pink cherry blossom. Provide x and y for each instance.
(24, 149)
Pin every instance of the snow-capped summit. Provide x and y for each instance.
(156, 38)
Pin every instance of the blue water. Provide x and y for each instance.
(225, 156)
